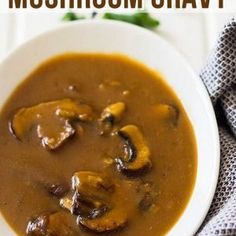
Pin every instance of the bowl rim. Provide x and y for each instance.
(198, 82)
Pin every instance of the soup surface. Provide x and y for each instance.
(94, 143)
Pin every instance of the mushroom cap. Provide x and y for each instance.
(115, 110)
(113, 220)
(52, 120)
(111, 115)
(91, 183)
(57, 224)
(95, 202)
(136, 157)
(167, 113)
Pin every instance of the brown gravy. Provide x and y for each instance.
(112, 124)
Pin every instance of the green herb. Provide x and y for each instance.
(71, 16)
(142, 19)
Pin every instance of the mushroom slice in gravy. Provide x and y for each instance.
(52, 141)
(52, 121)
(91, 183)
(93, 193)
(86, 207)
(136, 157)
(58, 190)
(113, 220)
(111, 115)
(83, 207)
(38, 226)
(50, 224)
(166, 112)
(93, 202)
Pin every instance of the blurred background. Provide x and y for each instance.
(192, 34)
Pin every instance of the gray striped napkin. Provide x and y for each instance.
(219, 76)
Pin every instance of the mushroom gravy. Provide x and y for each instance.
(94, 143)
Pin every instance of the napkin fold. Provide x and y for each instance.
(219, 76)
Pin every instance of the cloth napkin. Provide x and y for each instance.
(219, 76)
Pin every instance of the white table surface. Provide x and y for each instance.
(193, 34)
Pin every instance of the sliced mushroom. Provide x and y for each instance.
(115, 111)
(83, 208)
(92, 184)
(58, 190)
(136, 157)
(111, 115)
(167, 112)
(93, 202)
(55, 138)
(89, 207)
(57, 224)
(92, 193)
(52, 121)
(113, 220)
(38, 226)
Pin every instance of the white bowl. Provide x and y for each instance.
(147, 47)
